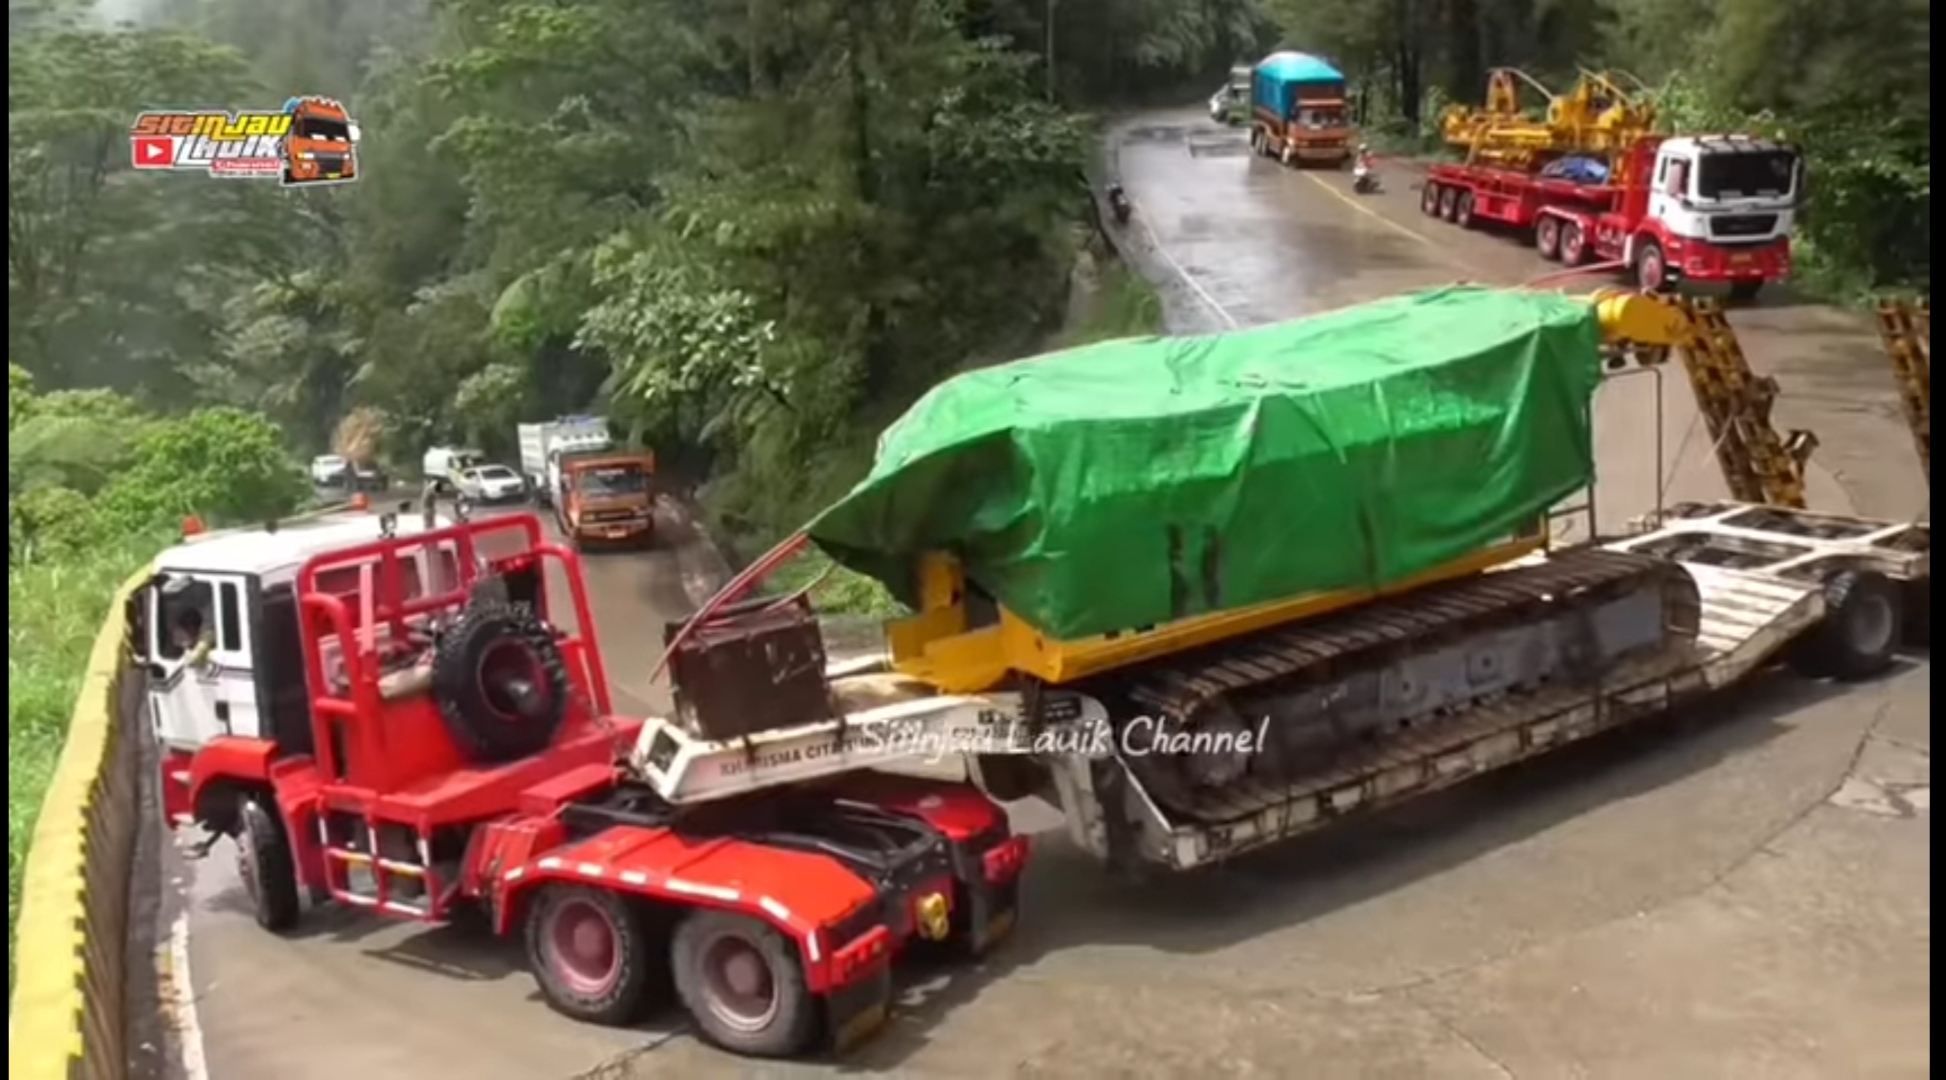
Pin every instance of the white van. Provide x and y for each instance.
(443, 464)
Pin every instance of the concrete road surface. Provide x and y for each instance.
(1746, 895)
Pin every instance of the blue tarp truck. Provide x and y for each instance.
(1299, 111)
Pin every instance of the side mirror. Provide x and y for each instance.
(155, 671)
(354, 132)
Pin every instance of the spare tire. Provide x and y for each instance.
(500, 682)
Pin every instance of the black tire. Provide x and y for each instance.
(266, 866)
(1651, 267)
(563, 917)
(1745, 291)
(1547, 238)
(786, 1022)
(1449, 203)
(501, 683)
(1463, 212)
(1860, 634)
(1429, 199)
(1574, 244)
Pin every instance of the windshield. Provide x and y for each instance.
(1750, 175)
(314, 127)
(1321, 118)
(612, 480)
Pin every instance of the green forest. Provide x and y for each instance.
(749, 231)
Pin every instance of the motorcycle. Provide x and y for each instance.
(1118, 204)
(1364, 179)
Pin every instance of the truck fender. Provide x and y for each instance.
(224, 765)
(518, 884)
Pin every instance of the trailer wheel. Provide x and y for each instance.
(1862, 628)
(266, 867)
(590, 954)
(1429, 199)
(1651, 269)
(1574, 244)
(500, 683)
(1449, 204)
(743, 985)
(1463, 211)
(1547, 237)
(1257, 142)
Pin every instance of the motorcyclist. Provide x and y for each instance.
(1364, 163)
(1364, 170)
(1118, 202)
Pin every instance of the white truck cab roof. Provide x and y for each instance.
(275, 552)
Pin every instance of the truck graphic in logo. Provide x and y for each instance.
(311, 140)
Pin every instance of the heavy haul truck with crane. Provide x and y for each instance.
(1334, 532)
(1591, 181)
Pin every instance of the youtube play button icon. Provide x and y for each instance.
(154, 151)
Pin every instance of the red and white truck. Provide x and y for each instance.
(1703, 208)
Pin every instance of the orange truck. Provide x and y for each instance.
(606, 497)
(322, 142)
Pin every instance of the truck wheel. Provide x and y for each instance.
(1574, 244)
(1429, 199)
(1449, 203)
(1463, 212)
(265, 866)
(1862, 628)
(1547, 237)
(1257, 142)
(1289, 154)
(590, 954)
(1745, 291)
(500, 683)
(1651, 270)
(743, 985)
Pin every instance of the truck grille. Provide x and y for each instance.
(1733, 225)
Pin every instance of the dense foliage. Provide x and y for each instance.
(1850, 83)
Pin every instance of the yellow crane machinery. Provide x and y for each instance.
(1905, 328)
(1282, 717)
(1601, 114)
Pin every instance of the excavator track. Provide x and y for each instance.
(1336, 684)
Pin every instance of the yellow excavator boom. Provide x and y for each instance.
(1603, 113)
(1905, 328)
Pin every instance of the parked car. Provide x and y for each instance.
(330, 470)
(366, 476)
(491, 484)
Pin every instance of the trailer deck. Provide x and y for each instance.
(1759, 573)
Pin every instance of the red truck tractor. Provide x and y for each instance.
(1593, 184)
(386, 713)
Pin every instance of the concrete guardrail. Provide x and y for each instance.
(68, 1018)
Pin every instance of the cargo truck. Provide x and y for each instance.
(599, 493)
(1341, 595)
(1593, 183)
(1300, 111)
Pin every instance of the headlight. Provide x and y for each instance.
(305, 155)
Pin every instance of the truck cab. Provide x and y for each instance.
(1722, 207)
(321, 146)
(216, 631)
(605, 496)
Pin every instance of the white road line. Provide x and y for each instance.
(189, 1029)
(1155, 242)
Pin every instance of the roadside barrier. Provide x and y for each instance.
(68, 1018)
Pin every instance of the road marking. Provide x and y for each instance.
(1195, 286)
(189, 1029)
(1373, 214)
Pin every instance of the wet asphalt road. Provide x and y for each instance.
(1745, 900)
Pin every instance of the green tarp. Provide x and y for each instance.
(1126, 484)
